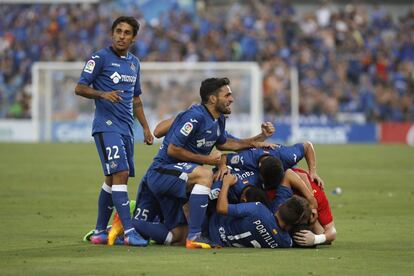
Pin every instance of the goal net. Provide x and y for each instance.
(168, 88)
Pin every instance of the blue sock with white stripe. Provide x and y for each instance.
(121, 202)
(198, 203)
(105, 207)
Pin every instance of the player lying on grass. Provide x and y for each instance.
(323, 231)
(252, 159)
(252, 224)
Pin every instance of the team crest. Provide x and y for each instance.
(186, 129)
(89, 66)
(133, 68)
(113, 165)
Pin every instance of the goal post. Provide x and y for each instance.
(168, 88)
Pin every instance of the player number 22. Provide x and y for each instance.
(116, 150)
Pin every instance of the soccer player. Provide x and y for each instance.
(111, 77)
(323, 231)
(178, 167)
(252, 224)
(289, 155)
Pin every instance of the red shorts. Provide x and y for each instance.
(324, 210)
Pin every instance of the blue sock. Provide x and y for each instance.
(154, 230)
(121, 202)
(198, 203)
(105, 207)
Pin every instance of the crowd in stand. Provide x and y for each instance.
(356, 59)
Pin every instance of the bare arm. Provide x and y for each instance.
(90, 93)
(296, 183)
(162, 127)
(222, 201)
(188, 156)
(140, 115)
(309, 238)
(310, 157)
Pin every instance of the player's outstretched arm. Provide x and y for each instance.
(90, 93)
(161, 129)
(222, 201)
(140, 115)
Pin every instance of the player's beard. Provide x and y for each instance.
(223, 108)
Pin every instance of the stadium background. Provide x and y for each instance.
(356, 69)
(355, 61)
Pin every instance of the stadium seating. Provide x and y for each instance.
(356, 59)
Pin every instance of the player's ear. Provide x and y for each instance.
(212, 98)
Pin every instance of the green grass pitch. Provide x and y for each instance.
(48, 201)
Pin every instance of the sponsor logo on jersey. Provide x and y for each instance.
(89, 66)
(193, 120)
(244, 175)
(274, 231)
(235, 159)
(186, 129)
(203, 142)
(109, 122)
(295, 157)
(214, 193)
(115, 77)
(116, 64)
(95, 56)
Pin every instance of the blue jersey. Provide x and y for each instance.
(249, 159)
(248, 225)
(244, 178)
(194, 130)
(107, 71)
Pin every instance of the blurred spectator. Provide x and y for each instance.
(353, 60)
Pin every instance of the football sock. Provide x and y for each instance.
(121, 202)
(154, 230)
(105, 207)
(198, 203)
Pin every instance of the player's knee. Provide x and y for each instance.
(120, 177)
(202, 175)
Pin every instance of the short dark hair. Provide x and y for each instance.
(129, 20)
(295, 210)
(254, 194)
(211, 86)
(271, 171)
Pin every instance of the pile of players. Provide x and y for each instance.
(253, 197)
(246, 200)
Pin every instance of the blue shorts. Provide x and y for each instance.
(116, 152)
(168, 183)
(147, 207)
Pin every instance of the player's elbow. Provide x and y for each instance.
(222, 210)
(158, 133)
(79, 90)
(172, 150)
(307, 145)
